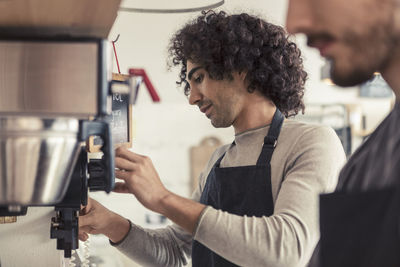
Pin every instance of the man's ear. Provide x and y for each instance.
(242, 75)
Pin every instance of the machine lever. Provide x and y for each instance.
(65, 228)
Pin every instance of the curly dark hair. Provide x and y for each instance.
(224, 44)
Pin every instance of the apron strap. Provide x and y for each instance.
(218, 162)
(271, 139)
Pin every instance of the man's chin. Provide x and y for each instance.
(351, 79)
(218, 124)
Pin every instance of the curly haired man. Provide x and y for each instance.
(256, 203)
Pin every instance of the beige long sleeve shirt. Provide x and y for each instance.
(305, 163)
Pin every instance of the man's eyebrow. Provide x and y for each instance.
(192, 71)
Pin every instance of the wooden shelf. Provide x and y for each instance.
(88, 18)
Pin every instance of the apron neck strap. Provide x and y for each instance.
(271, 139)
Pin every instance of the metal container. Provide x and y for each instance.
(37, 156)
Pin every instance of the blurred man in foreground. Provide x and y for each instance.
(360, 221)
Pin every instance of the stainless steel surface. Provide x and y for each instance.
(36, 159)
(48, 78)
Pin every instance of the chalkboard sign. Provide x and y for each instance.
(120, 120)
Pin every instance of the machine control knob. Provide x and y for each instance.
(97, 174)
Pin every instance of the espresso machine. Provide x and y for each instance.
(55, 91)
(44, 102)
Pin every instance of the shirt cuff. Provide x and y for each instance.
(123, 239)
(202, 214)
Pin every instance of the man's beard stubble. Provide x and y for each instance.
(375, 49)
(353, 78)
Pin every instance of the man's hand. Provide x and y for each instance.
(97, 219)
(140, 178)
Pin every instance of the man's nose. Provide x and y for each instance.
(194, 96)
(299, 17)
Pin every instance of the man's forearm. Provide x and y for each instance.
(118, 228)
(182, 211)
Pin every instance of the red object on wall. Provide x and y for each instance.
(152, 91)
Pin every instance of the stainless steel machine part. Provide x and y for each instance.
(37, 158)
(49, 78)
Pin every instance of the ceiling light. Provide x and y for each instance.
(170, 10)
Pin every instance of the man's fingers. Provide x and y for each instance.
(86, 209)
(90, 202)
(86, 220)
(124, 164)
(86, 229)
(123, 175)
(126, 154)
(83, 236)
(121, 188)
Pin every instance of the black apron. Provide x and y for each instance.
(242, 191)
(359, 229)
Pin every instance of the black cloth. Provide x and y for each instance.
(360, 221)
(244, 190)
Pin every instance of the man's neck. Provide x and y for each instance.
(391, 73)
(258, 112)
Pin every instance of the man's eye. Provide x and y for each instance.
(199, 79)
